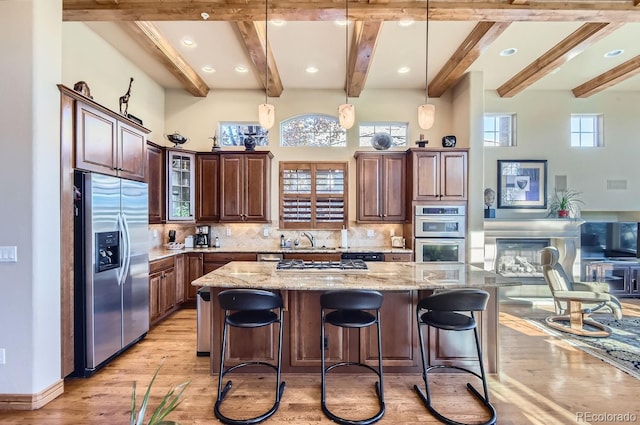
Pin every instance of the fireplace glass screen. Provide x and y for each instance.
(521, 258)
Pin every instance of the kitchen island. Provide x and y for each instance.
(403, 284)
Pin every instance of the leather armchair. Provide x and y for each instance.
(575, 301)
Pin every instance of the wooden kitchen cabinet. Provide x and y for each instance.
(155, 177)
(162, 289)
(398, 324)
(193, 266)
(245, 183)
(207, 182)
(438, 174)
(108, 143)
(382, 183)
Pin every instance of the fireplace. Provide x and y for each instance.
(512, 248)
(520, 258)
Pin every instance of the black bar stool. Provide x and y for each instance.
(249, 308)
(443, 310)
(349, 312)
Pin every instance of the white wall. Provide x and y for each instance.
(543, 133)
(30, 39)
(87, 57)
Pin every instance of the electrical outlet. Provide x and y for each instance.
(265, 232)
(228, 231)
(370, 233)
(2, 358)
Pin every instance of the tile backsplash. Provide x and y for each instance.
(267, 236)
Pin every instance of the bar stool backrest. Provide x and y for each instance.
(360, 299)
(249, 299)
(456, 300)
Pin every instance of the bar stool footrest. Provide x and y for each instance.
(226, 420)
(368, 421)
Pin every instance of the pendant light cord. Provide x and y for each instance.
(426, 59)
(346, 50)
(266, 52)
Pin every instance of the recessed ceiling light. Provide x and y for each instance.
(311, 69)
(406, 22)
(242, 69)
(613, 53)
(204, 15)
(509, 52)
(403, 70)
(209, 69)
(188, 42)
(342, 22)
(555, 71)
(278, 22)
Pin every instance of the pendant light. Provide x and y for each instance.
(266, 111)
(426, 112)
(346, 111)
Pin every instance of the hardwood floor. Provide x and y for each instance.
(542, 380)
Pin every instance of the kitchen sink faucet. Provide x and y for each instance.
(311, 238)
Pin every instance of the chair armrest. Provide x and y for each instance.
(586, 296)
(591, 286)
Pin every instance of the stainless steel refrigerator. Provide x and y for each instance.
(111, 270)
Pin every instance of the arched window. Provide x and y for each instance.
(312, 130)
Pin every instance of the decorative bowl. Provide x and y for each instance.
(176, 138)
(381, 141)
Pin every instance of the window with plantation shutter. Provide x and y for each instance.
(313, 195)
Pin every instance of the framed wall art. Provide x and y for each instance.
(522, 184)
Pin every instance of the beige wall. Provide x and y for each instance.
(543, 133)
(87, 57)
(30, 40)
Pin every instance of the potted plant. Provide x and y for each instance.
(565, 203)
(169, 402)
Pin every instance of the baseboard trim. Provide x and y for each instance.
(31, 401)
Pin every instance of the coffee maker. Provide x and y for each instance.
(201, 238)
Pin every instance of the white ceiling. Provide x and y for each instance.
(297, 45)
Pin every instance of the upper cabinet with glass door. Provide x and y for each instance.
(180, 186)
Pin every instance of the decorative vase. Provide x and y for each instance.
(381, 141)
(249, 143)
(449, 141)
(563, 213)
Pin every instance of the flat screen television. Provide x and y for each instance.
(609, 239)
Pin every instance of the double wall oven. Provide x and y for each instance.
(440, 232)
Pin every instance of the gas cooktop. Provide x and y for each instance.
(321, 265)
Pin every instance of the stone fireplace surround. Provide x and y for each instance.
(564, 234)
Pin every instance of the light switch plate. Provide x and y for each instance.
(8, 254)
(370, 233)
(265, 233)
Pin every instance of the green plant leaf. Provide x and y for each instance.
(169, 402)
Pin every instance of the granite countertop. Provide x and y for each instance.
(383, 276)
(160, 253)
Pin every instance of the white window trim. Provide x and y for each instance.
(401, 124)
(327, 116)
(513, 120)
(599, 130)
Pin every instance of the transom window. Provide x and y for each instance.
(312, 130)
(499, 129)
(233, 133)
(586, 130)
(313, 195)
(397, 130)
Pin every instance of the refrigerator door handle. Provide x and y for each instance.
(121, 230)
(127, 256)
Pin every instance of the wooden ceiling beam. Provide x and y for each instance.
(149, 37)
(363, 45)
(636, 2)
(253, 35)
(610, 78)
(476, 42)
(561, 53)
(328, 10)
